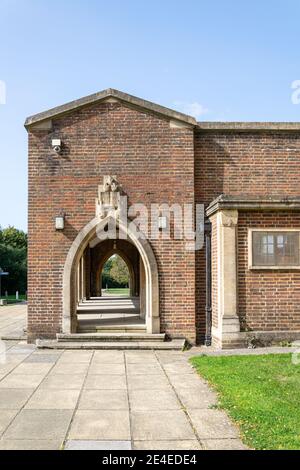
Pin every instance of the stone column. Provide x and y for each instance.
(78, 282)
(142, 290)
(83, 282)
(88, 273)
(227, 331)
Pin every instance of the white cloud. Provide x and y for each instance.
(2, 92)
(194, 109)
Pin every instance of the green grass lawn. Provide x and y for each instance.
(260, 393)
(125, 292)
(11, 299)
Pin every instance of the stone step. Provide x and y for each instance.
(91, 328)
(111, 330)
(110, 337)
(174, 345)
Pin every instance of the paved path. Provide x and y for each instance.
(13, 319)
(105, 399)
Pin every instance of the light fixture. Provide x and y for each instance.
(56, 145)
(60, 221)
(162, 222)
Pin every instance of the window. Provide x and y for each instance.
(274, 249)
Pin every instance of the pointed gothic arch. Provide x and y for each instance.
(122, 255)
(69, 320)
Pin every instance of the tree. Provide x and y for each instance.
(119, 271)
(115, 273)
(13, 259)
(13, 237)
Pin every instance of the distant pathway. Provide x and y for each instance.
(13, 319)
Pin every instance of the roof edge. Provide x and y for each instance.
(250, 203)
(211, 126)
(59, 111)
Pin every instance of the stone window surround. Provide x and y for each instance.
(270, 267)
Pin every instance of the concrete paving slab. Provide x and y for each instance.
(144, 369)
(107, 369)
(33, 368)
(103, 400)
(41, 358)
(223, 444)
(63, 382)
(178, 368)
(14, 398)
(161, 425)
(6, 417)
(69, 369)
(168, 357)
(6, 368)
(22, 348)
(197, 398)
(167, 445)
(100, 425)
(108, 357)
(54, 400)
(105, 382)
(140, 357)
(39, 425)
(186, 381)
(21, 444)
(141, 400)
(98, 445)
(212, 424)
(15, 358)
(148, 382)
(21, 381)
(76, 357)
(155, 410)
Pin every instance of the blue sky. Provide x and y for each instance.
(220, 60)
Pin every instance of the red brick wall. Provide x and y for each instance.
(153, 162)
(231, 163)
(268, 299)
(244, 163)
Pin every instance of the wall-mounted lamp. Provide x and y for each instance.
(56, 145)
(60, 221)
(162, 223)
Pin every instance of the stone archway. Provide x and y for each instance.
(69, 319)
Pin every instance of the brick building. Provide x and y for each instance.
(242, 284)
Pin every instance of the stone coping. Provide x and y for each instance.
(248, 126)
(107, 94)
(113, 94)
(248, 203)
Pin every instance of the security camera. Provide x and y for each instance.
(56, 145)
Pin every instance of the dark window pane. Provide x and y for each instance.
(275, 248)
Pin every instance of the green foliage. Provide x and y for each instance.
(261, 394)
(119, 271)
(13, 259)
(115, 273)
(13, 237)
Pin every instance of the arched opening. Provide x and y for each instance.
(115, 277)
(130, 262)
(84, 305)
